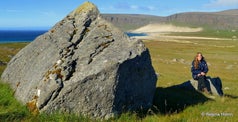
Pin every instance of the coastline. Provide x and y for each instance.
(12, 39)
(11, 42)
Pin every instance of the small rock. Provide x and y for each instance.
(2, 63)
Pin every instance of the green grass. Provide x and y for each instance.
(9, 49)
(170, 103)
(222, 57)
(10, 109)
(230, 34)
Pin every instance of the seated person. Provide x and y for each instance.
(199, 70)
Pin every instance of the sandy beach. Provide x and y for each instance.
(160, 32)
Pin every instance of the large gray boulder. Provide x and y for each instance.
(83, 65)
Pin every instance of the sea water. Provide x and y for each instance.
(135, 34)
(12, 36)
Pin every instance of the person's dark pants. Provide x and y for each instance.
(201, 82)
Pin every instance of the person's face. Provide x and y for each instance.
(199, 57)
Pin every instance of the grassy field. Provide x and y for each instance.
(171, 60)
(229, 34)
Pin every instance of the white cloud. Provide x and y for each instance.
(151, 8)
(134, 7)
(143, 8)
(13, 11)
(128, 7)
(223, 3)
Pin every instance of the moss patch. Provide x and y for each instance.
(84, 7)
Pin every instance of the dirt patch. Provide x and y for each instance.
(163, 28)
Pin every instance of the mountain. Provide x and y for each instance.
(228, 12)
(132, 21)
(214, 20)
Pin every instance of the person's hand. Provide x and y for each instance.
(203, 73)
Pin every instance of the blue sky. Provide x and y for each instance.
(45, 13)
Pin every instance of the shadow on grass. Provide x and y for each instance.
(174, 100)
(230, 96)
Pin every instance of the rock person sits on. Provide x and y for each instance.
(199, 70)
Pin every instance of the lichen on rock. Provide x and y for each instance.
(85, 7)
(83, 65)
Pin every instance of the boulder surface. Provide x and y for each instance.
(83, 65)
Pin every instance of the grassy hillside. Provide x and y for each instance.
(224, 20)
(172, 61)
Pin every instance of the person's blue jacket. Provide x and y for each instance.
(202, 67)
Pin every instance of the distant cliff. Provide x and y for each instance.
(132, 21)
(215, 20)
